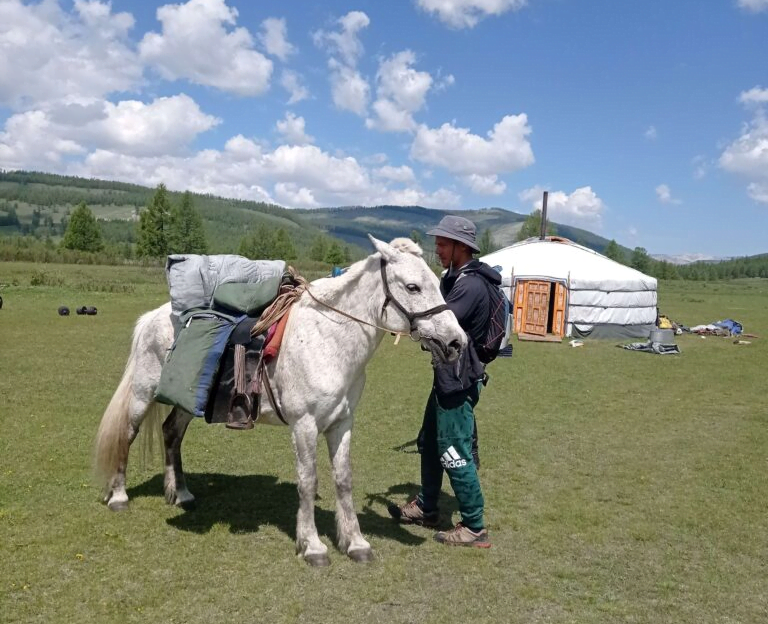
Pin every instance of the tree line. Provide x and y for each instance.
(751, 266)
(162, 228)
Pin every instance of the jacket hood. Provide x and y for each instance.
(475, 266)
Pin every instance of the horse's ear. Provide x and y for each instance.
(387, 251)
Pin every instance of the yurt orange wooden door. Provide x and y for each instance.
(558, 310)
(535, 307)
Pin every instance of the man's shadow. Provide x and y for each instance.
(248, 502)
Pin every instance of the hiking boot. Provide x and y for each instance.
(462, 536)
(411, 513)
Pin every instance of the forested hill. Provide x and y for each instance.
(38, 204)
(39, 201)
(35, 203)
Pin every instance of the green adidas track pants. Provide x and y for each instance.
(445, 442)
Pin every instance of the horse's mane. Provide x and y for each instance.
(408, 246)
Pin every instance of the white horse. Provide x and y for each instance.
(317, 379)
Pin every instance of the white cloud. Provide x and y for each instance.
(274, 38)
(350, 91)
(748, 155)
(756, 95)
(700, 167)
(581, 208)
(345, 42)
(755, 6)
(290, 194)
(400, 91)
(292, 130)
(195, 45)
(651, 133)
(294, 175)
(28, 143)
(456, 149)
(291, 82)
(758, 192)
(396, 174)
(467, 13)
(485, 184)
(45, 52)
(165, 126)
(664, 194)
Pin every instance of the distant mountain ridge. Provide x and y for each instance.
(353, 223)
(688, 258)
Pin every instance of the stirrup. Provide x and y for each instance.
(239, 414)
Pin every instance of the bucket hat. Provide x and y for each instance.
(458, 229)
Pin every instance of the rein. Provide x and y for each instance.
(388, 298)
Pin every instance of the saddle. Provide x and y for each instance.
(215, 367)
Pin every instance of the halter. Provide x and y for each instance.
(411, 316)
(388, 298)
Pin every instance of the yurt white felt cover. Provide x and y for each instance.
(606, 299)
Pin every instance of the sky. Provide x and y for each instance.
(647, 122)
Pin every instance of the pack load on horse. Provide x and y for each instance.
(334, 327)
(215, 364)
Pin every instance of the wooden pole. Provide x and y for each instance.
(543, 230)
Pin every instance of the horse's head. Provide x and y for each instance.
(413, 303)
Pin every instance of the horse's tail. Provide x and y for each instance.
(114, 436)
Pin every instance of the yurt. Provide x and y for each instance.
(558, 288)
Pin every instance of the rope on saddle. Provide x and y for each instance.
(287, 295)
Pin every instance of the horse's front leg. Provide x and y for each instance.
(175, 486)
(308, 544)
(350, 539)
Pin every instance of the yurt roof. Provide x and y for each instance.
(558, 258)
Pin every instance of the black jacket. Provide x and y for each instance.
(466, 294)
(467, 297)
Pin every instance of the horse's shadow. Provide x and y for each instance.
(248, 502)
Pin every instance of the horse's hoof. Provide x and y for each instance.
(118, 505)
(317, 560)
(361, 555)
(187, 505)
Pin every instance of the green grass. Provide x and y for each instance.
(620, 486)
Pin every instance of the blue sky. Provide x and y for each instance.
(647, 122)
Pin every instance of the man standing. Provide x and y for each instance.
(445, 439)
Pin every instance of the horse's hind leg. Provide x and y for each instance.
(350, 539)
(116, 496)
(308, 544)
(174, 428)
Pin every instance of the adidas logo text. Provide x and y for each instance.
(451, 459)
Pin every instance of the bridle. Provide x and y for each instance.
(390, 298)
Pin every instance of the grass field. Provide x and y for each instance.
(620, 486)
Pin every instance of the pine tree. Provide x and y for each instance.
(335, 254)
(640, 260)
(186, 234)
(284, 248)
(486, 243)
(82, 231)
(613, 251)
(532, 227)
(260, 245)
(319, 248)
(154, 225)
